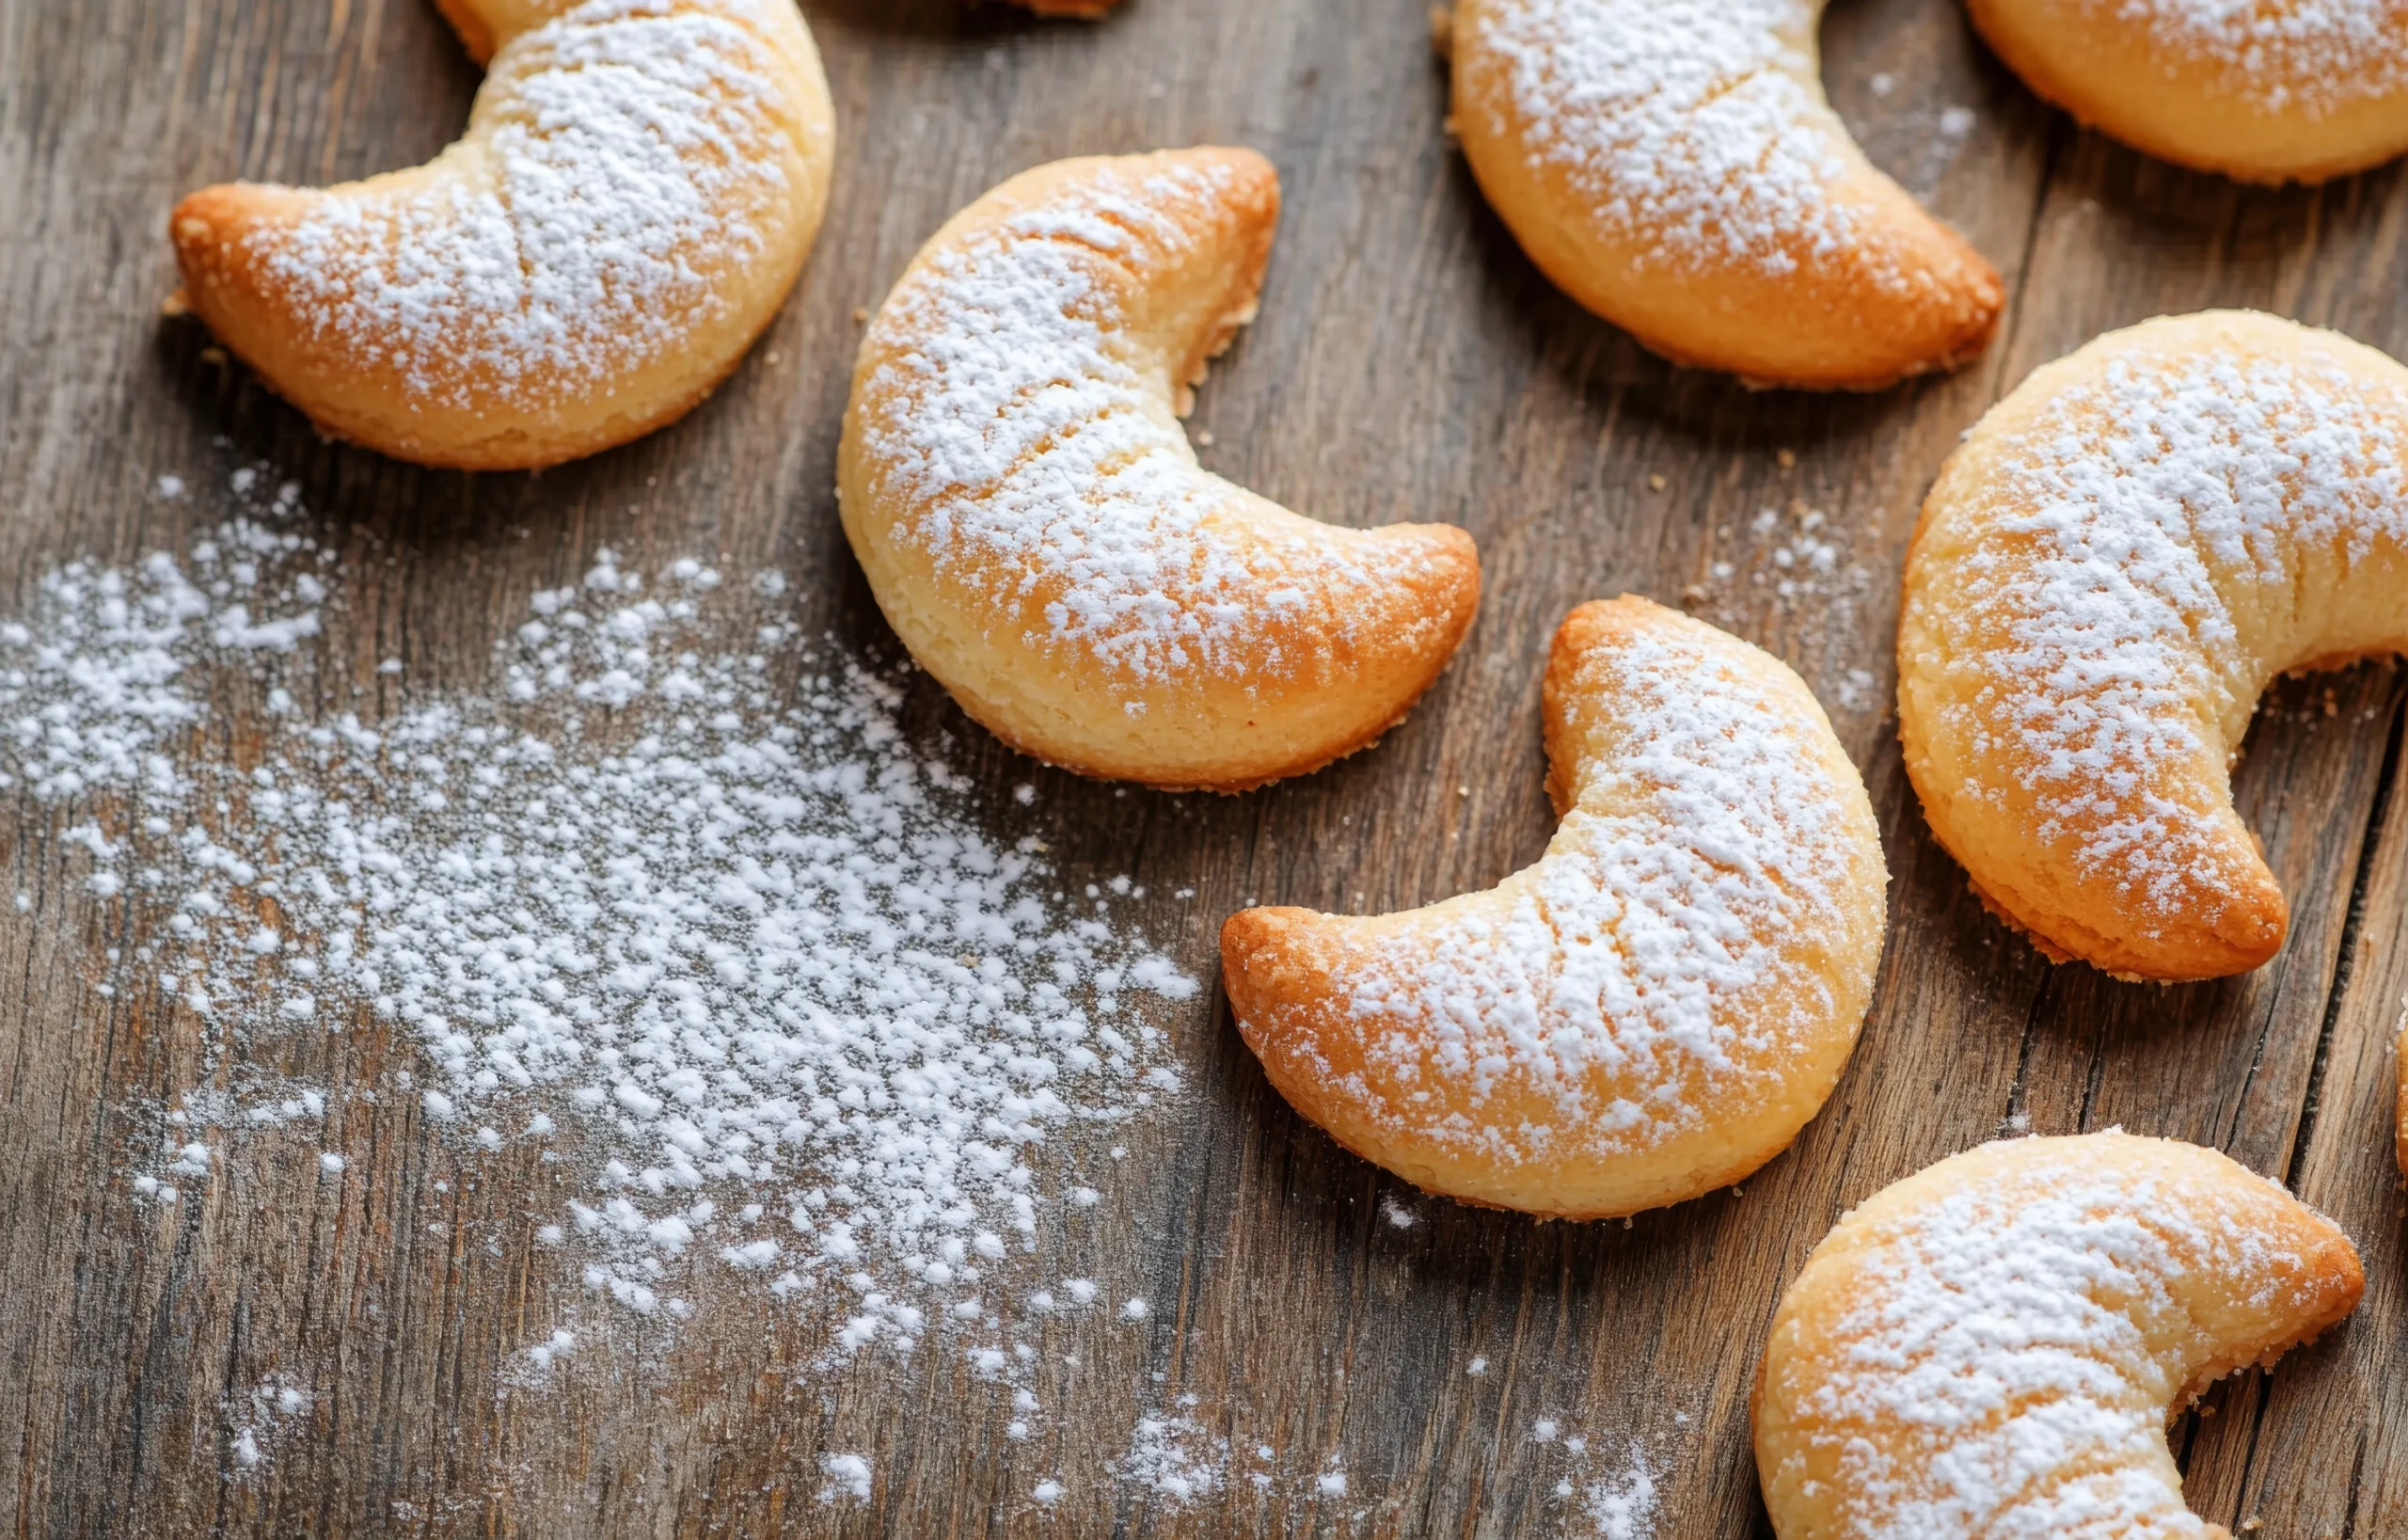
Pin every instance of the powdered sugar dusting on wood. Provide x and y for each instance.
(815, 1028)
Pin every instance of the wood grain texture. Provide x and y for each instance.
(1409, 363)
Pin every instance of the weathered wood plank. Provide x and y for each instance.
(1408, 363)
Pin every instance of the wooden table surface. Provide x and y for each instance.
(1409, 363)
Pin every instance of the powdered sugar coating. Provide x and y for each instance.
(2152, 532)
(1696, 128)
(622, 159)
(2012, 1338)
(2313, 55)
(1654, 966)
(1025, 437)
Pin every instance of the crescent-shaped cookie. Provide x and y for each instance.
(637, 189)
(1993, 1347)
(1674, 166)
(2271, 91)
(1652, 1010)
(2111, 569)
(1016, 483)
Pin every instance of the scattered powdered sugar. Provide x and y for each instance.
(621, 157)
(2023, 1324)
(814, 1023)
(1618, 1503)
(92, 690)
(1173, 1457)
(1859, 691)
(2314, 56)
(257, 1418)
(849, 1475)
(2136, 519)
(1696, 130)
(1793, 577)
(1809, 562)
(1029, 456)
(808, 1025)
(554, 1349)
(1622, 1505)
(1654, 960)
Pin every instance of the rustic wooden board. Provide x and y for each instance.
(1409, 363)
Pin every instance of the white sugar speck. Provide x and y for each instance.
(1623, 1505)
(849, 1475)
(1172, 1458)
